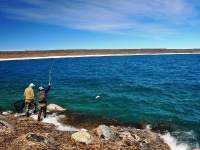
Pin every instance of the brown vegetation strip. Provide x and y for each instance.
(48, 53)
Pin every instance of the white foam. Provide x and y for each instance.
(53, 119)
(170, 140)
(148, 127)
(173, 144)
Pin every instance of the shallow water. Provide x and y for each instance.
(162, 89)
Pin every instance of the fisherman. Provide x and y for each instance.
(29, 99)
(42, 99)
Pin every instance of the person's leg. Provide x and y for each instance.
(27, 109)
(39, 112)
(45, 111)
(34, 107)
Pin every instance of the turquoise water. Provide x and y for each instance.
(157, 88)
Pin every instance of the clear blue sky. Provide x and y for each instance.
(99, 24)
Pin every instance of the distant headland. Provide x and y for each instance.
(91, 52)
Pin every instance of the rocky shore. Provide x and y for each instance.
(52, 53)
(20, 132)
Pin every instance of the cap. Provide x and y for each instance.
(40, 88)
(32, 85)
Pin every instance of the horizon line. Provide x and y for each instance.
(103, 49)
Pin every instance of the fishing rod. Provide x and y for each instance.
(20, 104)
(50, 71)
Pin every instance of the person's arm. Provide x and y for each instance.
(48, 88)
(31, 94)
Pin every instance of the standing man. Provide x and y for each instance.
(42, 98)
(29, 99)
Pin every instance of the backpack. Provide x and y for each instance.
(41, 96)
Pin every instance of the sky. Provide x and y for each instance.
(99, 24)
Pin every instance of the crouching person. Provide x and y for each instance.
(42, 99)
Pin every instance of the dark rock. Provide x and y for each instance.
(34, 137)
(162, 128)
(142, 124)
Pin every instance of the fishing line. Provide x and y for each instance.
(50, 71)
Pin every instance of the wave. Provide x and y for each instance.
(53, 119)
(177, 143)
(173, 143)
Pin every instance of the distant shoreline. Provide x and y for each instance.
(19, 55)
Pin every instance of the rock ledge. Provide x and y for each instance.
(27, 133)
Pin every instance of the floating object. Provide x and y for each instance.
(97, 97)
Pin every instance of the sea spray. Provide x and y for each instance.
(173, 143)
(170, 140)
(53, 119)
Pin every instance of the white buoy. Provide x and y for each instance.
(97, 96)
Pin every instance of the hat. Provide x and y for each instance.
(40, 88)
(32, 85)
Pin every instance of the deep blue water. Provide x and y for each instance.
(157, 88)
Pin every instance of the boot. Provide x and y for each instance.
(27, 114)
(45, 114)
(38, 118)
(34, 112)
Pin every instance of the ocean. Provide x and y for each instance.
(162, 90)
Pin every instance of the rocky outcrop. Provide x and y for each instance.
(82, 136)
(55, 108)
(104, 132)
(6, 113)
(27, 133)
(129, 138)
